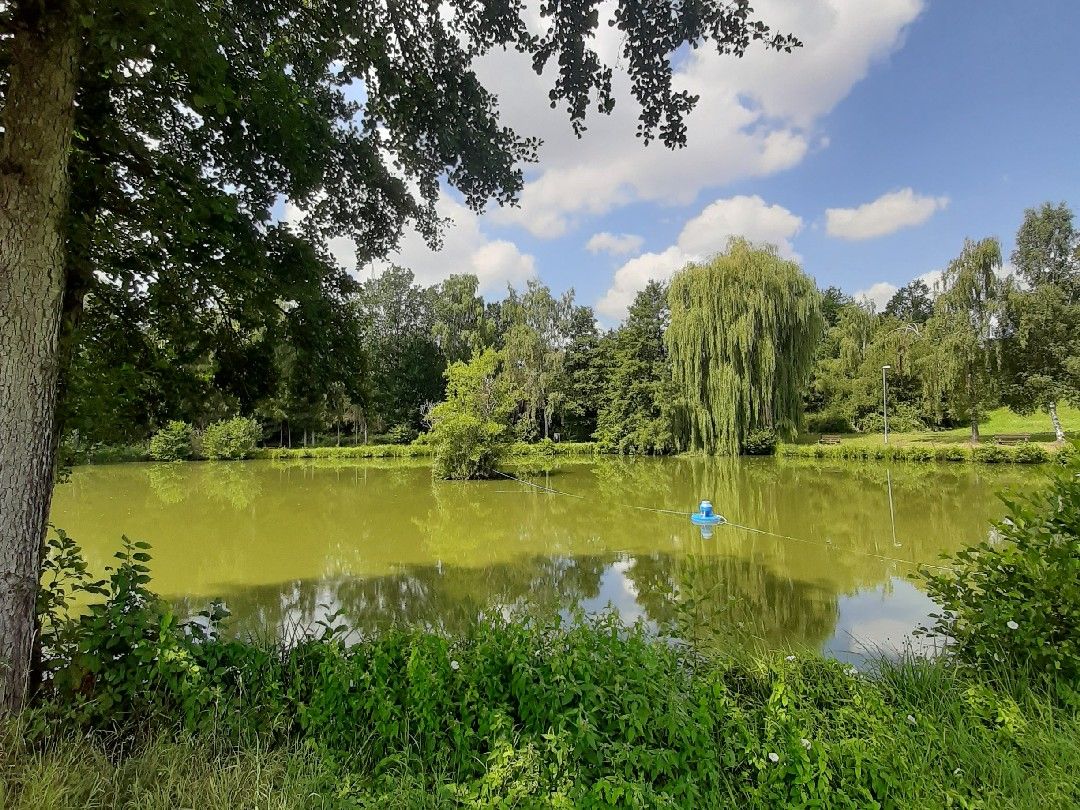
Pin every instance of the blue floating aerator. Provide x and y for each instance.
(705, 516)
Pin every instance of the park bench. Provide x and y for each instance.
(1011, 438)
(829, 438)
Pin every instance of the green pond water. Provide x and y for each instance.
(285, 544)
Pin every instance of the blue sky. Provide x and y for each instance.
(953, 115)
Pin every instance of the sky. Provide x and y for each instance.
(869, 155)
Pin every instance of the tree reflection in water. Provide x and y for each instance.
(286, 544)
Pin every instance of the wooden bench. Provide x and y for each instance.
(1011, 438)
(829, 438)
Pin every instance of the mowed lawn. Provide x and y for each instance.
(997, 422)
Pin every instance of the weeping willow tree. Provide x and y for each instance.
(959, 369)
(743, 332)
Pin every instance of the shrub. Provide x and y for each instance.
(760, 443)
(470, 429)
(991, 454)
(828, 422)
(1015, 599)
(1028, 453)
(174, 442)
(902, 419)
(952, 452)
(401, 434)
(231, 439)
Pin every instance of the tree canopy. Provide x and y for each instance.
(1041, 319)
(145, 146)
(743, 335)
(960, 367)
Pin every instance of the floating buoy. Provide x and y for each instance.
(706, 518)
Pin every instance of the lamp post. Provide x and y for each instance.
(885, 401)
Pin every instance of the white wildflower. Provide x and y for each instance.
(852, 672)
(790, 658)
(1012, 625)
(774, 757)
(805, 743)
(911, 719)
(454, 665)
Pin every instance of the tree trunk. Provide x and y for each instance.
(38, 119)
(1059, 434)
(975, 430)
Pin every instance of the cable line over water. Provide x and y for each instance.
(725, 522)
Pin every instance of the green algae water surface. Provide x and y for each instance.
(285, 544)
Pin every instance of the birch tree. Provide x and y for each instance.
(961, 356)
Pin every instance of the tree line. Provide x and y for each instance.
(977, 338)
(738, 347)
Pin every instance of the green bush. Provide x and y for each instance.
(174, 442)
(902, 419)
(991, 454)
(1015, 599)
(470, 430)
(1028, 453)
(828, 422)
(231, 439)
(760, 443)
(952, 452)
(401, 434)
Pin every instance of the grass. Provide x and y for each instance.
(914, 733)
(998, 421)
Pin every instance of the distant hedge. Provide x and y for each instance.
(1026, 453)
(420, 449)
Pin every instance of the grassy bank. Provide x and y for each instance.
(1000, 421)
(1026, 453)
(107, 454)
(534, 715)
(421, 450)
(947, 445)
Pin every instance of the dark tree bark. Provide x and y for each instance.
(38, 119)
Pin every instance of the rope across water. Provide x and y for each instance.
(883, 557)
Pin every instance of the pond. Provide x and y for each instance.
(285, 544)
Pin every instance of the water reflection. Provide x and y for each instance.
(284, 544)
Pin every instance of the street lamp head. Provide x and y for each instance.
(885, 367)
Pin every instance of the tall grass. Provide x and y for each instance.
(913, 733)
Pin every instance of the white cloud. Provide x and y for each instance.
(882, 291)
(756, 116)
(887, 214)
(465, 249)
(751, 217)
(705, 234)
(615, 244)
(877, 294)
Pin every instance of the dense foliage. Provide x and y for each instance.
(974, 342)
(1013, 341)
(636, 413)
(1015, 599)
(470, 430)
(174, 442)
(230, 439)
(744, 329)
